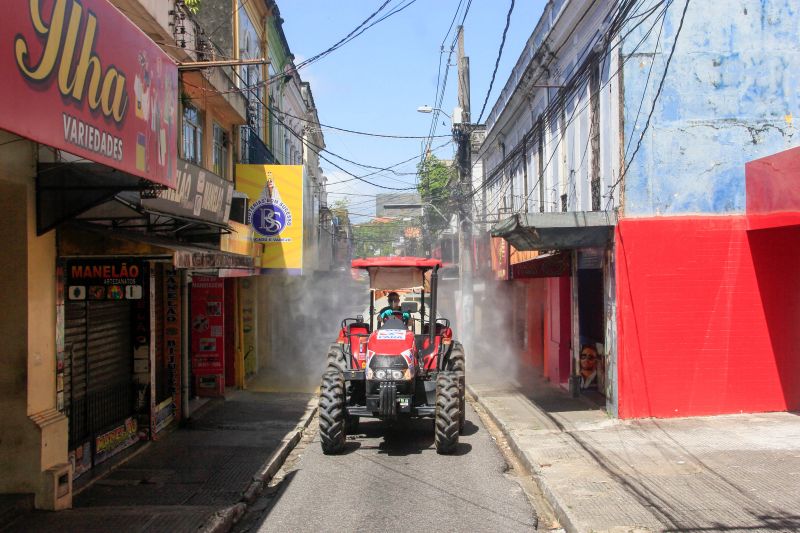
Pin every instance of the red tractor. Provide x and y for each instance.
(402, 364)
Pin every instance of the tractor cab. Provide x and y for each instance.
(398, 361)
(409, 276)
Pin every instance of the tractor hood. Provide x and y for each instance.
(392, 342)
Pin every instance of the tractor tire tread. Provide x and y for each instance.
(332, 413)
(335, 359)
(446, 426)
(457, 363)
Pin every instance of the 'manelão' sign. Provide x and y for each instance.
(94, 84)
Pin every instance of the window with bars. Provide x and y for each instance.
(192, 135)
(219, 153)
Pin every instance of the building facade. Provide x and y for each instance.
(133, 264)
(618, 151)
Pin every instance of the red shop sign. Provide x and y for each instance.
(79, 76)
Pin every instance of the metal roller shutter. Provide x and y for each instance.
(75, 369)
(98, 347)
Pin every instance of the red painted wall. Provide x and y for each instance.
(708, 317)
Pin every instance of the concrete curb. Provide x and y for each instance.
(559, 509)
(223, 520)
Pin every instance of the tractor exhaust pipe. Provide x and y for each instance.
(434, 299)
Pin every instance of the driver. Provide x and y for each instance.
(394, 304)
(393, 309)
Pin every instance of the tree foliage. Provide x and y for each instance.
(436, 187)
(378, 237)
(341, 209)
(193, 5)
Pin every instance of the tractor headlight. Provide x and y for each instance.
(389, 374)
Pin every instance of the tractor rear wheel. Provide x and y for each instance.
(332, 415)
(457, 363)
(336, 359)
(446, 424)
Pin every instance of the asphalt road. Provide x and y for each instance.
(393, 480)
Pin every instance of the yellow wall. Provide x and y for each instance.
(34, 435)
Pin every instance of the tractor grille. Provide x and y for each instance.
(395, 362)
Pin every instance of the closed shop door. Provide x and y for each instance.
(99, 365)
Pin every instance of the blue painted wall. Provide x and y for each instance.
(730, 96)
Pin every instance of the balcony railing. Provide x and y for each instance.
(254, 151)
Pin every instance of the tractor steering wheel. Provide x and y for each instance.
(402, 315)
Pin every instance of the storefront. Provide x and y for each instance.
(103, 125)
(543, 290)
(103, 386)
(578, 323)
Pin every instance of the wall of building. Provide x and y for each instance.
(707, 317)
(521, 175)
(34, 434)
(730, 96)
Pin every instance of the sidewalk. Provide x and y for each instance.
(722, 473)
(179, 482)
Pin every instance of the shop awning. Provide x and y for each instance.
(86, 240)
(557, 231)
(65, 190)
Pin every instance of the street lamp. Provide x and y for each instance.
(456, 117)
(429, 109)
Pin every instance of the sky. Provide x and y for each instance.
(376, 82)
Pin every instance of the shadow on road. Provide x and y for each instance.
(401, 438)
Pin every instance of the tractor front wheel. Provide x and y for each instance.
(446, 422)
(457, 363)
(332, 415)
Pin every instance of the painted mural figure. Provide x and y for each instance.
(588, 363)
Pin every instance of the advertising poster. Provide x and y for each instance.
(112, 442)
(247, 299)
(103, 89)
(208, 325)
(500, 258)
(81, 459)
(172, 336)
(164, 414)
(276, 213)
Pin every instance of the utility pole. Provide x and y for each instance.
(462, 130)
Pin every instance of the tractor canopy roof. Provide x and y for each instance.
(396, 272)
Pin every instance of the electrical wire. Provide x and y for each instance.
(355, 132)
(655, 99)
(319, 149)
(439, 99)
(571, 87)
(616, 73)
(497, 62)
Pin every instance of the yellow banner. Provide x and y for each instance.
(276, 212)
